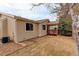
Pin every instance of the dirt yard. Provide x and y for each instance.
(48, 46)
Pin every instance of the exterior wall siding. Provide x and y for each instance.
(3, 26)
(16, 29)
(22, 34)
(7, 27)
(11, 27)
(41, 31)
(1, 29)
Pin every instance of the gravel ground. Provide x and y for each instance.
(48, 46)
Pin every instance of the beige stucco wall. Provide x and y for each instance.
(22, 34)
(7, 27)
(11, 27)
(16, 29)
(41, 31)
(3, 26)
(0, 29)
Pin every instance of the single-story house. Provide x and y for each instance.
(53, 28)
(20, 29)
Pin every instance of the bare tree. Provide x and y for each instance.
(52, 8)
(62, 9)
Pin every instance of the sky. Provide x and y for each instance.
(23, 9)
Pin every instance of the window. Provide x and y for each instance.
(29, 26)
(44, 27)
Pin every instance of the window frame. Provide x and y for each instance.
(43, 27)
(29, 27)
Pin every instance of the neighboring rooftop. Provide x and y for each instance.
(53, 23)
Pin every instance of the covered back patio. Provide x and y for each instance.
(52, 28)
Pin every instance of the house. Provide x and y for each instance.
(53, 28)
(20, 29)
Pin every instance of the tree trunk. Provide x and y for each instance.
(74, 28)
(73, 24)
